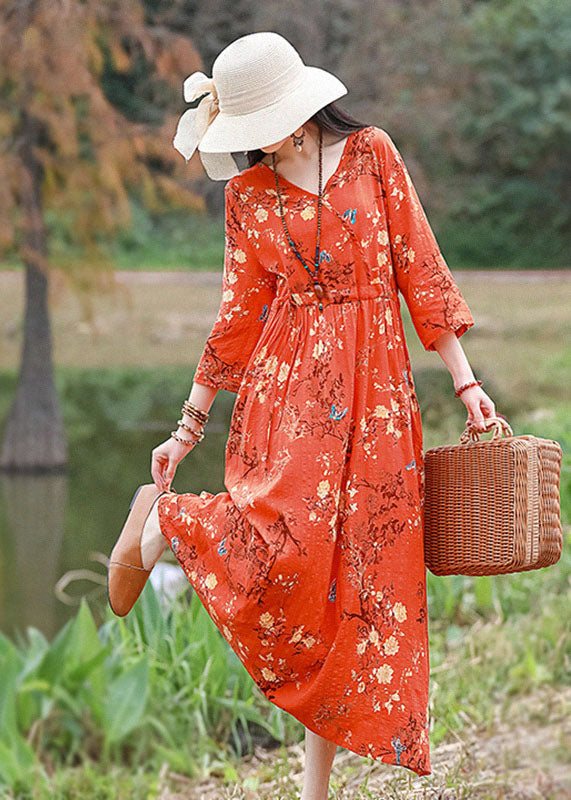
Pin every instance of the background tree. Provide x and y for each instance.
(68, 157)
(514, 194)
(473, 92)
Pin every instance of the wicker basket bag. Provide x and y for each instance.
(492, 507)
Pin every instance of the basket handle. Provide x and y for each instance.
(500, 425)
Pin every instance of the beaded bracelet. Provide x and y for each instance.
(460, 389)
(193, 411)
(191, 416)
(183, 424)
(200, 422)
(178, 438)
(193, 405)
(194, 414)
(186, 441)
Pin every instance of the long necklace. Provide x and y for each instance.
(317, 288)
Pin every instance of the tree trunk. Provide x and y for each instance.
(35, 506)
(34, 435)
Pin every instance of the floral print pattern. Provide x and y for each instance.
(311, 564)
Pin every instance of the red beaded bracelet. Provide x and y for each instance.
(460, 389)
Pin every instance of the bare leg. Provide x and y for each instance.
(319, 755)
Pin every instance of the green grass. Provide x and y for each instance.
(162, 693)
(180, 240)
(189, 240)
(498, 645)
(163, 690)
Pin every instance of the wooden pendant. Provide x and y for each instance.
(318, 289)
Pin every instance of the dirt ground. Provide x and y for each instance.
(522, 758)
(521, 321)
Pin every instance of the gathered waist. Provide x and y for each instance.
(346, 294)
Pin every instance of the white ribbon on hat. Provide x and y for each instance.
(195, 122)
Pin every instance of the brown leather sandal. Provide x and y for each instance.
(127, 574)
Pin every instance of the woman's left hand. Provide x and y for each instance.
(479, 406)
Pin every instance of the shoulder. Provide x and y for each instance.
(380, 145)
(232, 187)
(237, 183)
(237, 192)
(243, 193)
(378, 139)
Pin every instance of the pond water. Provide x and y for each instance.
(60, 526)
(57, 530)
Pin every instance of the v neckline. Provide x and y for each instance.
(344, 152)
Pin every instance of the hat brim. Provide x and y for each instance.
(233, 133)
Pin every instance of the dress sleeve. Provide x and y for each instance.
(433, 298)
(247, 291)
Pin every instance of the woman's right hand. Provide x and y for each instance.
(165, 459)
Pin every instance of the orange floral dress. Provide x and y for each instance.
(311, 564)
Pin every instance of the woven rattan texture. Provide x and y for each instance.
(492, 507)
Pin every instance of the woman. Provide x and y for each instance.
(311, 563)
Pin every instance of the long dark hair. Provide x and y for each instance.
(331, 118)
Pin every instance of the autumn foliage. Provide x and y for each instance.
(68, 158)
(55, 112)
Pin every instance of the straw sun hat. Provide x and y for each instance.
(260, 92)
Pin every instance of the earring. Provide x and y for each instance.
(298, 141)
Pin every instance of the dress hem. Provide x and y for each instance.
(333, 737)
